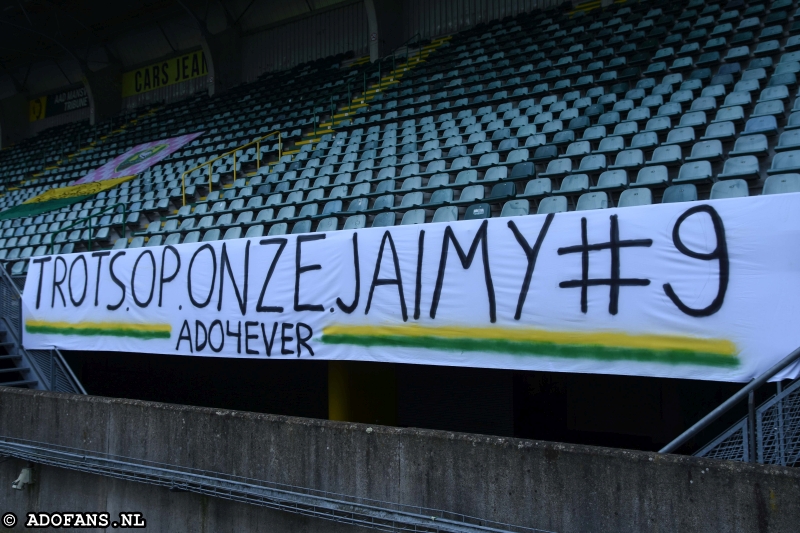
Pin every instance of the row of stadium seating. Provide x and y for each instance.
(634, 104)
(225, 121)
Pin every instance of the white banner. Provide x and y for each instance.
(701, 290)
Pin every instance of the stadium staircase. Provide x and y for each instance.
(344, 113)
(34, 369)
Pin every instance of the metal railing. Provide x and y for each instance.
(378, 84)
(406, 43)
(208, 163)
(50, 369)
(342, 508)
(10, 302)
(88, 219)
(747, 426)
(777, 433)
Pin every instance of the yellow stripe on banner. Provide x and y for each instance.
(85, 189)
(595, 338)
(100, 329)
(118, 326)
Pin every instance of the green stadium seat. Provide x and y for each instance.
(697, 171)
(679, 193)
(552, 204)
(256, 230)
(656, 175)
(515, 208)
(735, 188)
(635, 197)
(592, 200)
(782, 183)
(744, 167)
(785, 162)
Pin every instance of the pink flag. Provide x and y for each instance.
(137, 159)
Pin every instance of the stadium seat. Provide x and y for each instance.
(735, 188)
(757, 145)
(695, 172)
(635, 197)
(592, 200)
(782, 183)
(785, 162)
(656, 175)
(552, 204)
(680, 193)
(745, 167)
(445, 214)
(708, 94)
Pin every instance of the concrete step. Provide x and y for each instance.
(16, 369)
(586, 6)
(353, 62)
(383, 85)
(346, 114)
(20, 383)
(345, 111)
(313, 139)
(354, 107)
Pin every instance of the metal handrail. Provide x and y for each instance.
(257, 142)
(6, 278)
(417, 35)
(405, 43)
(10, 280)
(747, 391)
(89, 219)
(59, 357)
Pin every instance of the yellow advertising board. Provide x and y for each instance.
(37, 109)
(169, 72)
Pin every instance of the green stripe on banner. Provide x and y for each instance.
(98, 331)
(37, 208)
(541, 349)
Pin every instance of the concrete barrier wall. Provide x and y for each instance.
(67, 490)
(558, 487)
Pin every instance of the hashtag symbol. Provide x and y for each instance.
(614, 281)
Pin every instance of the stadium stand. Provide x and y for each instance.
(563, 109)
(644, 103)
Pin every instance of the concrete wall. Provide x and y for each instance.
(67, 490)
(557, 487)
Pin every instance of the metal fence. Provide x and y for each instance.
(10, 301)
(778, 428)
(777, 433)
